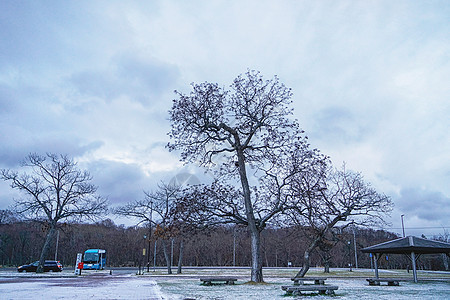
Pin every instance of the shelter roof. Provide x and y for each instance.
(409, 244)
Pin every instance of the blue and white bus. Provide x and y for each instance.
(94, 259)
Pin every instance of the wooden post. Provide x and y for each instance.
(375, 262)
(413, 261)
(154, 258)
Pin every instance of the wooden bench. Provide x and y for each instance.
(303, 280)
(217, 280)
(390, 281)
(298, 289)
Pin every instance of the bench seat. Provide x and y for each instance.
(321, 289)
(217, 280)
(390, 281)
(303, 280)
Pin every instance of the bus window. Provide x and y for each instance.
(94, 259)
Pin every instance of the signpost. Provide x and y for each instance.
(79, 264)
(101, 252)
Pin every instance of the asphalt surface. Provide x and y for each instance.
(63, 285)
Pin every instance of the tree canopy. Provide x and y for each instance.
(54, 189)
(246, 130)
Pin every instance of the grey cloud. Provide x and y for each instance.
(95, 83)
(13, 153)
(6, 99)
(425, 204)
(41, 34)
(138, 79)
(337, 125)
(118, 181)
(155, 75)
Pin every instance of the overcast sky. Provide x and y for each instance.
(95, 80)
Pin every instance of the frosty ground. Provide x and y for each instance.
(156, 285)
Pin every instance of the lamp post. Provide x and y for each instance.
(149, 236)
(154, 258)
(171, 253)
(148, 252)
(403, 226)
(143, 255)
(234, 247)
(349, 255)
(354, 244)
(57, 242)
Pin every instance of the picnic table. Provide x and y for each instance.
(303, 280)
(298, 289)
(390, 281)
(217, 280)
(315, 284)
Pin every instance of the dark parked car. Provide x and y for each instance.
(49, 266)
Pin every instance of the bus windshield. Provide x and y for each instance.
(90, 258)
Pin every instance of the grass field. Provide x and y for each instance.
(125, 284)
(352, 285)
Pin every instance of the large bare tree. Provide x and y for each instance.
(55, 190)
(344, 199)
(156, 210)
(236, 133)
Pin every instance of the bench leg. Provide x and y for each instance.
(293, 293)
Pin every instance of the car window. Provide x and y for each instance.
(35, 263)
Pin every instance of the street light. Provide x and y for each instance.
(354, 244)
(403, 226)
(57, 242)
(148, 249)
(143, 256)
(234, 247)
(350, 255)
(150, 237)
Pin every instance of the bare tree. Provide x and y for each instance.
(237, 131)
(156, 210)
(345, 199)
(55, 190)
(325, 246)
(7, 216)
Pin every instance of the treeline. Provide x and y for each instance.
(21, 242)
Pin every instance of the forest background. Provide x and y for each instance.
(21, 242)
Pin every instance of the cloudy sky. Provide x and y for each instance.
(95, 80)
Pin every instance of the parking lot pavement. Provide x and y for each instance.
(83, 287)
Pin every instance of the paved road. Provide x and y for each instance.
(83, 287)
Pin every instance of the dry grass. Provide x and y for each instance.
(291, 272)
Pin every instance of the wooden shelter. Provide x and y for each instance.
(411, 246)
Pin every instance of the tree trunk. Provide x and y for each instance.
(166, 256)
(326, 263)
(306, 258)
(257, 260)
(255, 232)
(315, 242)
(326, 258)
(305, 266)
(180, 257)
(445, 259)
(45, 249)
